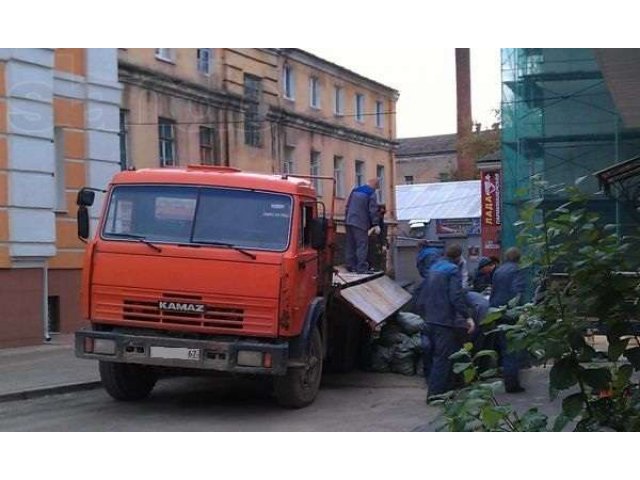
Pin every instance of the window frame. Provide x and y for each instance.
(379, 114)
(360, 103)
(207, 148)
(360, 178)
(252, 123)
(165, 55)
(314, 93)
(288, 165)
(289, 83)
(338, 100)
(338, 174)
(162, 140)
(200, 62)
(315, 162)
(381, 176)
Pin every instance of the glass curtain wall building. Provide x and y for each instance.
(559, 123)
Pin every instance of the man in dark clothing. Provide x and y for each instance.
(478, 308)
(484, 274)
(378, 244)
(361, 215)
(447, 321)
(427, 256)
(508, 284)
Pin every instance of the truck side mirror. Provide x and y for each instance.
(319, 233)
(83, 222)
(85, 198)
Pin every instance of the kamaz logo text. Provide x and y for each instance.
(181, 307)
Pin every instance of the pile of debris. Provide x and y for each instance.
(398, 348)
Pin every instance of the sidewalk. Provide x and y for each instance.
(46, 369)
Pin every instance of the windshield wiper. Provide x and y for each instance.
(139, 238)
(227, 245)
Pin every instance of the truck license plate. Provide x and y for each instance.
(175, 353)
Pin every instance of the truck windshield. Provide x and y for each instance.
(199, 216)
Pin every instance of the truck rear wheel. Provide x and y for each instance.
(300, 386)
(127, 382)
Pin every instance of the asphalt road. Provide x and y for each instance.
(359, 402)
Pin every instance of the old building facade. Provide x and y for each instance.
(426, 159)
(74, 117)
(261, 110)
(58, 132)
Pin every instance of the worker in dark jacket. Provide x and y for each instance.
(428, 254)
(361, 218)
(447, 321)
(379, 244)
(484, 275)
(508, 285)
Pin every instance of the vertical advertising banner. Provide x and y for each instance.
(491, 213)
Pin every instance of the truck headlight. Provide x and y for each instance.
(248, 358)
(104, 347)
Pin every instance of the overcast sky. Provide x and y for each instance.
(426, 80)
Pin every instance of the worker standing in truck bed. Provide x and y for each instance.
(361, 215)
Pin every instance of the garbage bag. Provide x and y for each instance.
(403, 358)
(410, 323)
(381, 359)
(391, 335)
(416, 343)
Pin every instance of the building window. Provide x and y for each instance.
(167, 142)
(204, 60)
(314, 92)
(380, 177)
(315, 172)
(338, 174)
(408, 180)
(207, 146)
(61, 197)
(359, 173)
(165, 54)
(289, 164)
(124, 139)
(252, 124)
(289, 82)
(379, 114)
(360, 107)
(338, 93)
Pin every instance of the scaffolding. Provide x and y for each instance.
(559, 124)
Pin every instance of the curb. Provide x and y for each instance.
(46, 391)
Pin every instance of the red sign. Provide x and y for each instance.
(491, 213)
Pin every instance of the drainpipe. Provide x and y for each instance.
(45, 302)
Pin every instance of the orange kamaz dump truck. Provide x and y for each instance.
(209, 269)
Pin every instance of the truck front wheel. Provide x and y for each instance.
(299, 387)
(127, 382)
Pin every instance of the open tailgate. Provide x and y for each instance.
(376, 297)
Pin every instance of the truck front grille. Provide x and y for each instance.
(213, 316)
(231, 314)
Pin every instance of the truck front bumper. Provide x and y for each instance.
(239, 356)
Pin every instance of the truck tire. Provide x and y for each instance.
(125, 382)
(300, 386)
